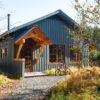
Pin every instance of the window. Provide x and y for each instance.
(57, 53)
(2, 53)
(6, 52)
(75, 56)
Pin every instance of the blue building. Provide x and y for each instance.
(37, 45)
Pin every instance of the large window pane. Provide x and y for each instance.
(52, 52)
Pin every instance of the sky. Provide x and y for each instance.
(23, 11)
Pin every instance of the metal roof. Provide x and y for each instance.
(58, 12)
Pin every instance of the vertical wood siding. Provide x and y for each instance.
(54, 29)
(6, 61)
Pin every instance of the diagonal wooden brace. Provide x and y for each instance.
(40, 51)
(19, 50)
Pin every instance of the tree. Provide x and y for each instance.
(0, 16)
(88, 15)
(96, 38)
(88, 12)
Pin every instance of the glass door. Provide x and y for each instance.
(26, 53)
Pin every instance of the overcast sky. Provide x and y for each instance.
(23, 11)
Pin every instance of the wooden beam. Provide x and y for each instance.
(40, 51)
(33, 36)
(20, 42)
(19, 50)
(37, 35)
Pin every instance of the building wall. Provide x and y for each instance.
(54, 29)
(7, 62)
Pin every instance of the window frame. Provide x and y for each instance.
(75, 56)
(57, 55)
(2, 53)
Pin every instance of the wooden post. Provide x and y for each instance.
(19, 50)
(40, 51)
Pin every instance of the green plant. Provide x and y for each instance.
(28, 67)
(50, 72)
(58, 96)
(18, 76)
(98, 55)
(83, 84)
(3, 79)
(86, 95)
(94, 55)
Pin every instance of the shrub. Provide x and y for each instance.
(17, 76)
(3, 79)
(73, 70)
(58, 96)
(82, 96)
(98, 55)
(83, 84)
(50, 72)
(94, 55)
(74, 96)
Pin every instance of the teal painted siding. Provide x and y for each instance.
(54, 29)
(53, 25)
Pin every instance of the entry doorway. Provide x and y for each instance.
(27, 54)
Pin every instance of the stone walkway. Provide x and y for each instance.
(31, 88)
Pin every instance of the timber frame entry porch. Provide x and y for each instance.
(38, 37)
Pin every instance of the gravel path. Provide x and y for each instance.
(31, 88)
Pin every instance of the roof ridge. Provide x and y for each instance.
(59, 11)
(30, 22)
(35, 20)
